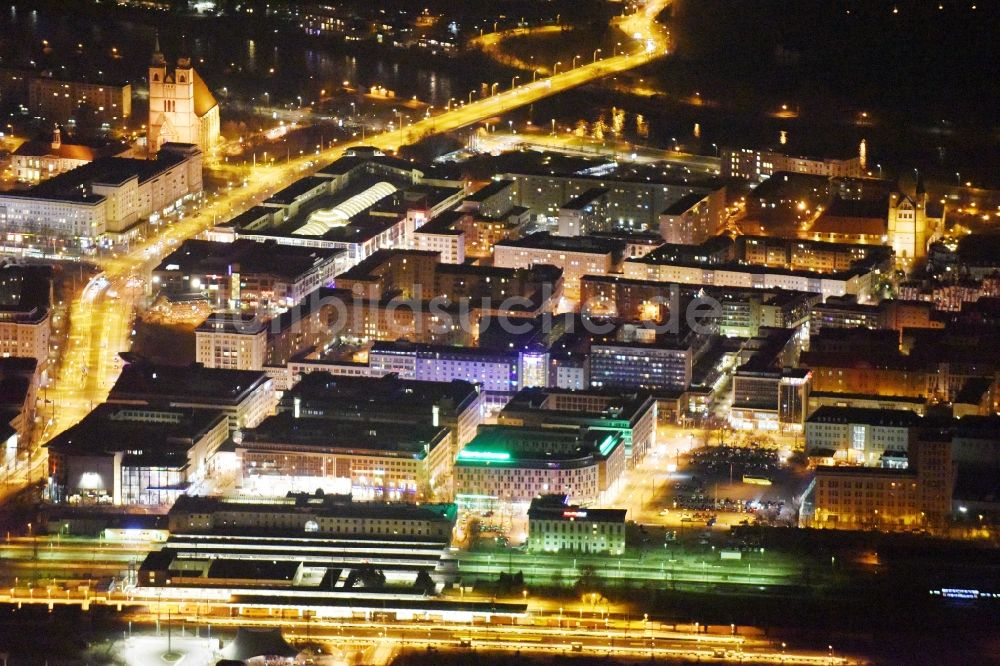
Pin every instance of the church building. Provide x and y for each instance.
(181, 107)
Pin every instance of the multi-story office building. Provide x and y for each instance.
(811, 255)
(846, 312)
(18, 397)
(25, 299)
(245, 274)
(918, 496)
(633, 414)
(768, 392)
(135, 454)
(516, 464)
(456, 405)
(496, 371)
(445, 234)
(557, 526)
(232, 341)
(639, 357)
(659, 267)
(384, 461)
(246, 397)
(860, 436)
(743, 310)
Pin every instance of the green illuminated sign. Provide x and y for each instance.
(606, 445)
(483, 456)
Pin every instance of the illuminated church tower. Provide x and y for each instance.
(908, 223)
(181, 107)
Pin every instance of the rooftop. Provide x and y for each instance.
(893, 418)
(325, 506)
(146, 435)
(359, 395)
(245, 256)
(588, 244)
(537, 446)
(411, 440)
(493, 188)
(142, 380)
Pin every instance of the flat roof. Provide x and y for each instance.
(245, 256)
(585, 198)
(589, 244)
(156, 436)
(617, 404)
(359, 395)
(24, 289)
(895, 418)
(142, 380)
(493, 188)
(537, 446)
(685, 203)
(286, 196)
(412, 440)
(327, 507)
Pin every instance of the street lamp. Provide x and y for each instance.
(513, 79)
(493, 88)
(573, 66)
(471, 92)
(555, 69)
(596, 51)
(615, 51)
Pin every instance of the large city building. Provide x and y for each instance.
(759, 165)
(244, 274)
(361, 203)
(694, 218)
(575, 255)
(632, 413)
(104, 201)
(19, 383)
(916, 497)
(556, 526)
(627, 204)
(385, 461)
(517, 463)
(246, 397)
(660, 266)
(84, 103)
(25, 302)
(135, 454)
(861, 436)
(769, 392)
(38, 160)
(232, 341)
(181, 107)
(456, 405)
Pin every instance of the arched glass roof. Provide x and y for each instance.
(322, 220)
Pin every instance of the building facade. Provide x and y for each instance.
(181, 107)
